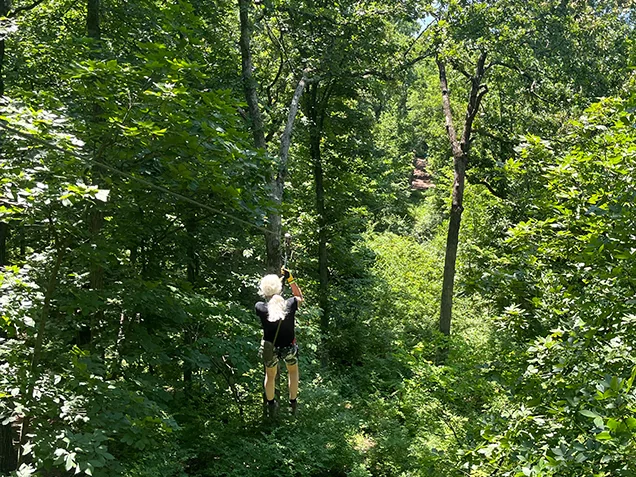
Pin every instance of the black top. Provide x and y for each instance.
(286, 335)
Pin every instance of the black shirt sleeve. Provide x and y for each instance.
(292, 305)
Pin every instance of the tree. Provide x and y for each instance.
(273, 237)
(461, 152)
(164, 140)
(576, 372)
(339, 45)
(493, 59)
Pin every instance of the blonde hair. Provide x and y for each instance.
(270, 289)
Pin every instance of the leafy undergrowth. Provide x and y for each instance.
(351, 423)
(388, 410)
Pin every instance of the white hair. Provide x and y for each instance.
(270, 289)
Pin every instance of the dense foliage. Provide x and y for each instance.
(135, 197)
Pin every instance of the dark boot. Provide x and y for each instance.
(293, 406)
(272, 409)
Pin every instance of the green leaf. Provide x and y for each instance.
(604, 436)
(613, 424)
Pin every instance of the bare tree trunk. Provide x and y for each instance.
(273, 239)
(274, 258)
(460, 149)
(452, 244)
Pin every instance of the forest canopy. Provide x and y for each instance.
(451, 183)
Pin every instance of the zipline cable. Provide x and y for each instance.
(152, 185)
(145, 182)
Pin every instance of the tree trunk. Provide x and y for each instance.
(39, 341)
(274, 255)
(8, 452)
(452, 243)
(273, 238)
(5, 8)
(92, 19)
(460, 150)
(4, 235)
(316, 113)
(96, 214)
(96, 271)
(249, 83)
(192, 268)
(273, 259)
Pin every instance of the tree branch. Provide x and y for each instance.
(281, 44)
(408, 50)
(285, 139)
(229, 379)
(487, 185)
(477, 92)
(417, 59)
(460, 68)
(448, 423)
(522, 73)
(26, 8)
(275, 80)
(446, 107)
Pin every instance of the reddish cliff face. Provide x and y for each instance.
(421, 179)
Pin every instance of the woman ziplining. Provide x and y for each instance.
(278, 320)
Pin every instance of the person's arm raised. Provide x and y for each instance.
(296, 291)
(292, 283)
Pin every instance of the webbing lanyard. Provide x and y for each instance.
(288, 238)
